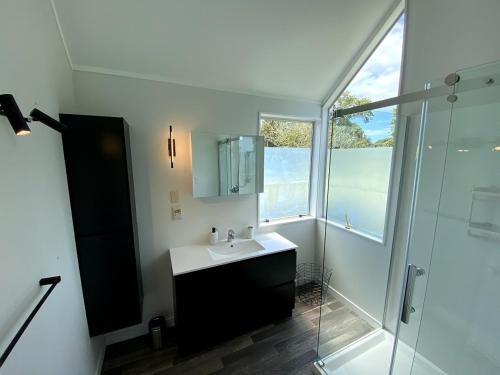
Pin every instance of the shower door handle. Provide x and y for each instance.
(412, 273)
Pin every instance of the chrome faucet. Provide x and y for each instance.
(230, 235)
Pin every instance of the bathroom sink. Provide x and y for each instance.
(224, 249)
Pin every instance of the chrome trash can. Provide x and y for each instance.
(157, 332)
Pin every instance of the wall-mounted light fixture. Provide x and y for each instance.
(171, 148)
(37, 115)
(9, 109)
(19, 123)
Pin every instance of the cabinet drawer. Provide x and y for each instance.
(256, 273)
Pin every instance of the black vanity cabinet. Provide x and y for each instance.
(218, 303)
(99, 172)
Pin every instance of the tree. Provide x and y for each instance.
(348, 100)
(346, 133)
(286, 133)
(349, 134)
(389, 141)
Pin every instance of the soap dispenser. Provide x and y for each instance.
(214, 236)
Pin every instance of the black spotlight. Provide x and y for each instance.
(37, 115)
(9, 109)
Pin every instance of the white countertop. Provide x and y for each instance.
(197, 257)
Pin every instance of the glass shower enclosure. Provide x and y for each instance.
(442, 301)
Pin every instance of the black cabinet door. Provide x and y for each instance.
(94, 149)
(98, 168)
(218, 303)
(109, 282)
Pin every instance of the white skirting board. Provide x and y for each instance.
(358, 310)
(100, 361)
(131, 332)
(123, 335)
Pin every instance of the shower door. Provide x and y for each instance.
(450, 310)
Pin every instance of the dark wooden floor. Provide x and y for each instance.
(287, 347)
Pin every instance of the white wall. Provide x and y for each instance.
(443, 36)
(150, 107)
(36, 231)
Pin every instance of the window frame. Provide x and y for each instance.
(313, 175)
(399, 136)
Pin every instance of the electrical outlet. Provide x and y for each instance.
(176, 213)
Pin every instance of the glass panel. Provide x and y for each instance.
(379, 77)
(364, 142)
(456, 236)
(361, 163)
(287, 168)
(432, 152)
(362, 168)
(359, 181)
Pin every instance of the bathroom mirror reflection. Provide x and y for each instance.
(226, 164)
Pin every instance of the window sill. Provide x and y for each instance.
(353, 231)
(287, 220)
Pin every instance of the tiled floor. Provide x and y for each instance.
(287, 347)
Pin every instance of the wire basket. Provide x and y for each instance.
(311, 283)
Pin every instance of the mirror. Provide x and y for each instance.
(226, 164)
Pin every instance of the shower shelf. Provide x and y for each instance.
(484, 230)
(492, 192)
(480, 223)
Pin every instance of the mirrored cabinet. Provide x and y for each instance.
(226, 164)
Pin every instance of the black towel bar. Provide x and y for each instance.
(52, 281)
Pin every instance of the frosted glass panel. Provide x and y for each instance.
(286, 182)
(287, 167)
(362, 148)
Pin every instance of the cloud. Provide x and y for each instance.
(377, 134)
(379, 77)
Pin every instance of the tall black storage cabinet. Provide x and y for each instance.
(99, 171)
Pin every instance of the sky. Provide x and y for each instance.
(379, 79)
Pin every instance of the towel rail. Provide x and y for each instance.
(52, 281)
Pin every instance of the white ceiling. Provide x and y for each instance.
(287, 48)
